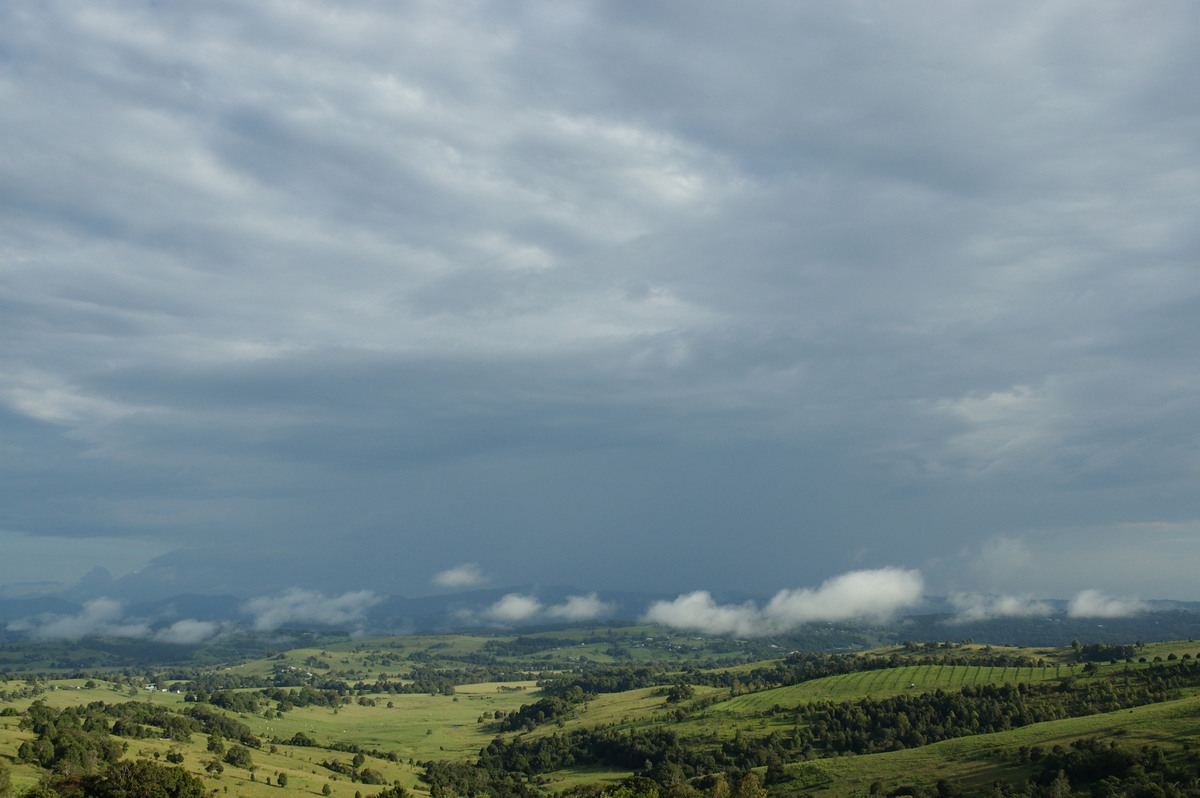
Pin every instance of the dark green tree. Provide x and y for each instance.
(141, 778)
(238, 756)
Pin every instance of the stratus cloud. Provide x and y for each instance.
(858, 594)
(466, 575)
(517, 608)
(306, 606)
(514, 608)
(981, 607)
(580, 608)
(1094, 604)
(188, 632)
(698, 610)
(101, 617)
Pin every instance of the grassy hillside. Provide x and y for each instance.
(745, 711)
(978, 761)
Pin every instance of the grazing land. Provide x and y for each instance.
(629, 711)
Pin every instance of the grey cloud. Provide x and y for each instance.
(99, 617)
(273, 270)
(298, 606)
(105, 617)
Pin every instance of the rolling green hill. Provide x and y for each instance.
(357, 716)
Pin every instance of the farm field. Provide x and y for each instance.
(887, 682)
(977, 761)
(397, 733)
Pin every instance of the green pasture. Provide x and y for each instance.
(416, 726)
(631, 708)
(1164, 650)
(364, 658)
(72, 693)
(300, 764)
(883, 684)
(419, 725)
(1049, 654)
(978, 760)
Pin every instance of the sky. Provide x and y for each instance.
(697, 298)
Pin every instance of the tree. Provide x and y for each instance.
(40, 790)
(749, 787)
(776, 774)
(239, 757)
(281, 779)
(141, 778)
(325, 790)
(395, 791)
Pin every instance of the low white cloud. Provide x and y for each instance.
(519, 608)
(1094, 604)
(580, 608)
(306, 606)
(466, 575)
(698, 610)
(858, 594)
(188, 632)
(101, 617)
(105, 617)
(514, 608)
(981, 607)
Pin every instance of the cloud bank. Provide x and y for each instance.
(982, 607)
(460, 576)
(297, 606)
(100, 617)
(698, 611)
(580, 608)
(870, 594)
(105, 617)
(518, 608)
(1096, 604)
(189, 632)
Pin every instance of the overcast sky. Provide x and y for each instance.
(414, 297)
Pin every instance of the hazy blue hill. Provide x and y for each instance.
(16, 609)
(190, 605)
(1057, 630)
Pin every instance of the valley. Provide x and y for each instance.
(621, 711)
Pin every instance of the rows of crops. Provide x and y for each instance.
(888, 682)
